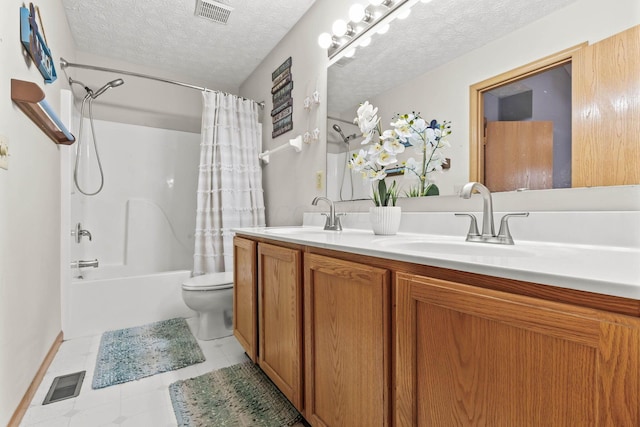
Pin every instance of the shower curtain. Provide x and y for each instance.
(230, 182)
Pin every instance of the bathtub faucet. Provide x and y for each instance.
(79, 232)
(84, 264)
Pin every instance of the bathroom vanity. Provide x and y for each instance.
(417, 330)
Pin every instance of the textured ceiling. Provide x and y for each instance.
(166, 34)
(432, 35)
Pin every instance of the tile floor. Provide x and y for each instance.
(142, 403)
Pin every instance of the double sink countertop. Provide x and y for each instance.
(605, 269)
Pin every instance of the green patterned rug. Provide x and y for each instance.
(239, 395)
(134, 353)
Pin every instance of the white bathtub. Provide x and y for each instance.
(114, 297)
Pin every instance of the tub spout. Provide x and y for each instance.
(84, 264)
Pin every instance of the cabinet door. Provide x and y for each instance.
(474, 357)
(280, 319)
(347, 344)
(245, 295)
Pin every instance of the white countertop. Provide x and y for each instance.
(610, 270)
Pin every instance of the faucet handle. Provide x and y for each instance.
(473, 226)
(504, 235)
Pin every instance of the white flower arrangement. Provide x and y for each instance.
(408, 130)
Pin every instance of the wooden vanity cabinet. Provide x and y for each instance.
(347, 343)
(245, 295)
(467, 356)
(280, 319)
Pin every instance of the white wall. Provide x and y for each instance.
(442, 93)
(29, 212)
(144, 217)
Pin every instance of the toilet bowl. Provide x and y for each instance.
(211, 296)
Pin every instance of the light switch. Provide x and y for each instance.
(4, 152)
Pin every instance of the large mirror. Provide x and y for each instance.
(455, 44)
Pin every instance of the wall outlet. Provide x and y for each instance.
(4, 152)
(319, 180)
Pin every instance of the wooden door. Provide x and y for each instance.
(519, 155)
(280, 319)
(245, 295)
(347, 344)
(606, 112)
(468, 356)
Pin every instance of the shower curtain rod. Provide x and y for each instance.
(64, 64)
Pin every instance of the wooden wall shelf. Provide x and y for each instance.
(29, 97)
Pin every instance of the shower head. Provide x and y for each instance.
(346, 139)
(103, 89)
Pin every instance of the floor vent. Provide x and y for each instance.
(213, 10)
(64, 387)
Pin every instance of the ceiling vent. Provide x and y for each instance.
(213, 10)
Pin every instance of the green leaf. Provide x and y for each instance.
(432, 190)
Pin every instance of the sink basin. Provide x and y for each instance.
(461, 248)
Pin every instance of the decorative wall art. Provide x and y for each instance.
(35, 43)
(282, 113)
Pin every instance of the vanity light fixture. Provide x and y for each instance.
(364, 22)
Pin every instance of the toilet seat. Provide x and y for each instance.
(209, 282)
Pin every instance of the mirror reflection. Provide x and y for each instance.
(428, 63)
(527, 132)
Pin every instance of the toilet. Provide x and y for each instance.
(211, 296)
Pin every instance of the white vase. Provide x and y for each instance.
(385, 220)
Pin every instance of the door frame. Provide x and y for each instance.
(476, 104)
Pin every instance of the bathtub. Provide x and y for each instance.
(114, 297)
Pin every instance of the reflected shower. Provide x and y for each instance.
(90, 96)
(346, 139)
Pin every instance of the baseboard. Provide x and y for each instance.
(33, 387)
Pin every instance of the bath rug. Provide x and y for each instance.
(239, 395)
(133, 353)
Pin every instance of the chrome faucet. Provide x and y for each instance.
(79, 232)
(333, 219)
(488, 234)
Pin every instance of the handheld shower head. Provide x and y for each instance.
(346, 139)
(103, 89)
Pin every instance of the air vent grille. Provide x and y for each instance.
(213, 10)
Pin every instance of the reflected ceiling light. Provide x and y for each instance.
(366, 41)
(350, 52)
(363, 23)
(404, 14)
(383, 28)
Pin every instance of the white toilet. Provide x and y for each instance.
(211, 296)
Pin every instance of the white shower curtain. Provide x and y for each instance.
(230, 183)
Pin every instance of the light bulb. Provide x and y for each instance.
(356, 13)
(366, 41)
(349, 53)
(325, 40)
(383, 29)
(404, 14)
(339, 28)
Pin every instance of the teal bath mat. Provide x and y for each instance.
(239, 395)
(133, 353)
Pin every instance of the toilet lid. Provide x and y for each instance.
(209, 281)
